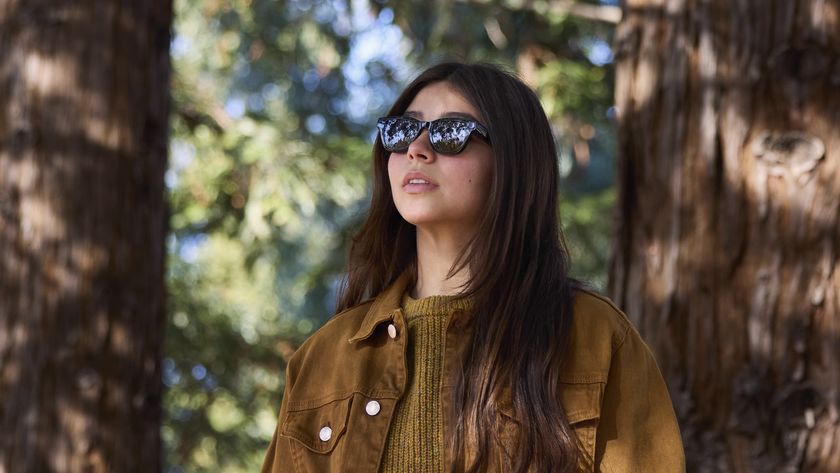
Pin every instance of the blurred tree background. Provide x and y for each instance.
(273, 120)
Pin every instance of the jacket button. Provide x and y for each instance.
(392, 330)
(325, 434)
(372, 408)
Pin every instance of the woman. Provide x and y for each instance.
(461, 343)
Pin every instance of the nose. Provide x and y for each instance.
(421, 148)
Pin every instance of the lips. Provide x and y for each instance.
(416, 182)
(417, 177)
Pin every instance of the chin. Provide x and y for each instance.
(432, 215)
(419, 220)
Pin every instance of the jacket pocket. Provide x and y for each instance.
(582, 404)
(316, 433)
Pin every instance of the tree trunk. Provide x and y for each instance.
(728, 229)
(83, 140)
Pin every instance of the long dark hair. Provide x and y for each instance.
(518, 267)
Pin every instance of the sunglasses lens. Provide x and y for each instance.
(398, 133)
(450, 136)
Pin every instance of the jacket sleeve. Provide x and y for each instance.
(637, 431)
(278, 458)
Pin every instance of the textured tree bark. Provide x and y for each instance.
(728, 228)
(83, 140)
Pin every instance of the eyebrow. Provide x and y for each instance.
(419, 115)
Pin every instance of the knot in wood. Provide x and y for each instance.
(796, 150)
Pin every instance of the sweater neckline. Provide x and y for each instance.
(433, 305)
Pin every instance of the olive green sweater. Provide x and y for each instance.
(415, 440)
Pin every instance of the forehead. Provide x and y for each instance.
(438, 100)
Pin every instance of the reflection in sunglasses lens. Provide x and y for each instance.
(399, 134)
(450, 136)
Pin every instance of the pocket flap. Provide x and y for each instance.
(581, 401)
(306, 425)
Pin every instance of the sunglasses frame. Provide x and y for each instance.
(475, 127)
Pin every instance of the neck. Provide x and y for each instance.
(435, 255)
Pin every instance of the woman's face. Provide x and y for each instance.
(458, 186)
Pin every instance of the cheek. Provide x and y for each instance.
(478, 178)
(486, 175)
(393, 169)
(482, 185)
(482, 182)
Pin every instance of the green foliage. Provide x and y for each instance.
(586, 224)
(271, 131)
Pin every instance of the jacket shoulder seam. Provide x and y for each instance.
(621, 316)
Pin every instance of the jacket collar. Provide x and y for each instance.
(384, 307)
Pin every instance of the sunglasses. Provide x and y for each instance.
(447, 135)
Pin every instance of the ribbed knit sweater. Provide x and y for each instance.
(415, 440)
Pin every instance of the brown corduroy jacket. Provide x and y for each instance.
(344, 382)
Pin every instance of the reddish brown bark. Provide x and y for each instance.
(83, 141)
(728, 233)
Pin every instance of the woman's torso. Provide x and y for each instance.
(344, 385)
